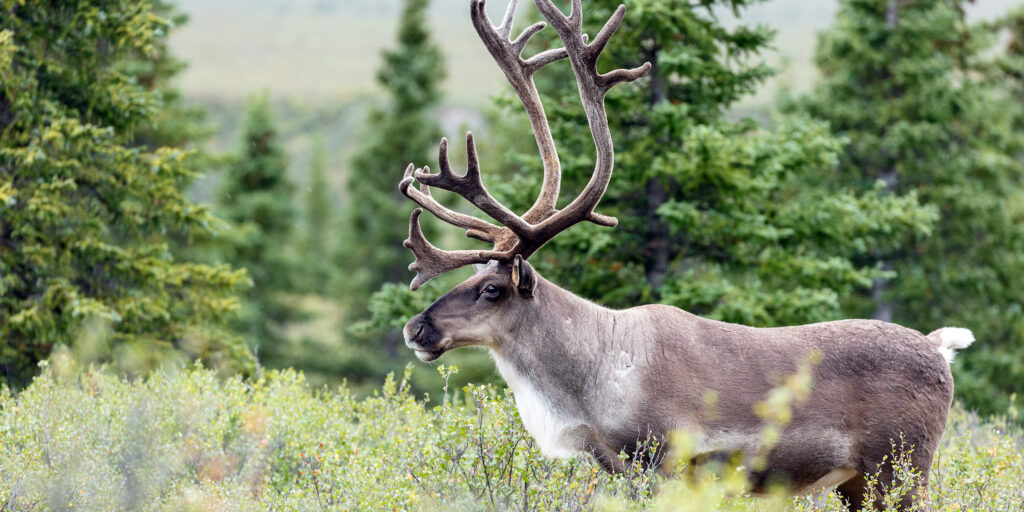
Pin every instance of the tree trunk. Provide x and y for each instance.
(892, 13)
(883, 305)
(657, 248)
(658, 244)
(880, 286)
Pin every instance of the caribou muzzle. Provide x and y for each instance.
(424, 339)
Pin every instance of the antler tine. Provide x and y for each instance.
(572, 23)
(431, 262)
(592, 87)
(519, 44)
(612, 78)
(519, 72)
(475, 228)
(609, 28)
(470, 186)
(570, 29)
(505, 29)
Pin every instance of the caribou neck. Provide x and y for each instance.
(552, 357)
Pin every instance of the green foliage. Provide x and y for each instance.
(1010, 67)
(402, 131)
(318, 235)
(256, 197)
(376, 216)
(84, 211)
(723, 218)
(186, 440)
(906, 85)
(175, 124)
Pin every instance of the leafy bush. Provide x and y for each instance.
(187, 440)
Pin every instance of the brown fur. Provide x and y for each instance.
(876, 384)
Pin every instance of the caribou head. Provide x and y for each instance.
(592, 379)
(479, 312)
(476, 310)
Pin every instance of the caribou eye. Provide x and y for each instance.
(490, 291)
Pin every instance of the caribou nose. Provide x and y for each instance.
(415, 329)
(422, 337)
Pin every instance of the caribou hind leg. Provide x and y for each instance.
(857, 492)
(853, 492)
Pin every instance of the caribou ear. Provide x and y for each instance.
(524, 278)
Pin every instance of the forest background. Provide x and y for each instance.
(316, 64)
(298, 118)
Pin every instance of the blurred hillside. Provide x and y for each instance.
(317, 49)
(328, 50)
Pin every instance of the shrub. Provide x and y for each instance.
(188, 440)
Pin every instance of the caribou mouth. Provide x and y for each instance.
(428, 355)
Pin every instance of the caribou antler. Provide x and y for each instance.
(522, 235)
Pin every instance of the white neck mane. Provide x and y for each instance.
(549, 427)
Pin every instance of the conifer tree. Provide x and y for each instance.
(84, 212)
(1006, 73)
(318, 233)
(401, 131)
(175, 124)
(256, 197)
(723, 218)
(900, 84)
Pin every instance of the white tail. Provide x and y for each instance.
(950, 339)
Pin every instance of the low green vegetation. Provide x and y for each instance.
(188, 440)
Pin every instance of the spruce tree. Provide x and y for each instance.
(900, 84)
(401, 131)
(1005, 73)
(175, 124)
(723, 218)
(84, 213)
(256, 197)
(318, 235)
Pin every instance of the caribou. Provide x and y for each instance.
(591, 379)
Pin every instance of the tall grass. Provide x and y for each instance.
(188, 440)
